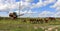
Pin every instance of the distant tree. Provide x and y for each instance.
(13, 15)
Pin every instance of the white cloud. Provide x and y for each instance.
(30, 12)
(25, 12)
(41, 3)
(49, 1)
(27, 3)
(3, 7)
(28, 0)
(49, 14)
(46, 14)
(56, 5)
(6, 5)
(57, 14)
(11, 4)
(24, 5)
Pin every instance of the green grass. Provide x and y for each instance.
(18, 25)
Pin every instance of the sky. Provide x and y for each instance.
(30, 8)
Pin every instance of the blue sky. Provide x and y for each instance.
(31, 8)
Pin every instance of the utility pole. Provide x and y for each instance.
(20, 7)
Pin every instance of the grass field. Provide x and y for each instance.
(18, 25)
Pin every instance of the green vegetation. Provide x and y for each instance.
(7, 24)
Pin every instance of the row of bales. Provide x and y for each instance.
(42, 20)
(38, 20)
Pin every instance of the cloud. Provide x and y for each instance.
(57, 14)
(6, 5)
(46, 14)
(28, 0)
(25, 12)
(49, 2)
(49, 14)
(43, 3)
(56, 5)
(27, 3)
